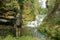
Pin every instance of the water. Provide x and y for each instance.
(35, 24)
(38, 34)
(38, 20)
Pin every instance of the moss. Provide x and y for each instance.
(5, 27)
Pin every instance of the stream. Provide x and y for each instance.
(34, 24)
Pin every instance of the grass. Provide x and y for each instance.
(9, 37)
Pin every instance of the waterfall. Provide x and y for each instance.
(34, 24)
(38, 20)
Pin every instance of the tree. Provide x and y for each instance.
(11, 10)
(51, 26)
(21, 11)
(29, 10)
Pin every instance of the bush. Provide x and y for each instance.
(9, 37)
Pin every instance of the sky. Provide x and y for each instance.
(43, 3)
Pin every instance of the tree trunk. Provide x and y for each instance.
(18, 24)
(19, 21)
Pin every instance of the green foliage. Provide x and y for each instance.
(4, 27)
(25, 11)
(9, 4)
(51, 24)
(42, 11)
(51, 4)
(58, 35)
(25, 38)
(30, 9)
(9, 37)
(57, 20)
